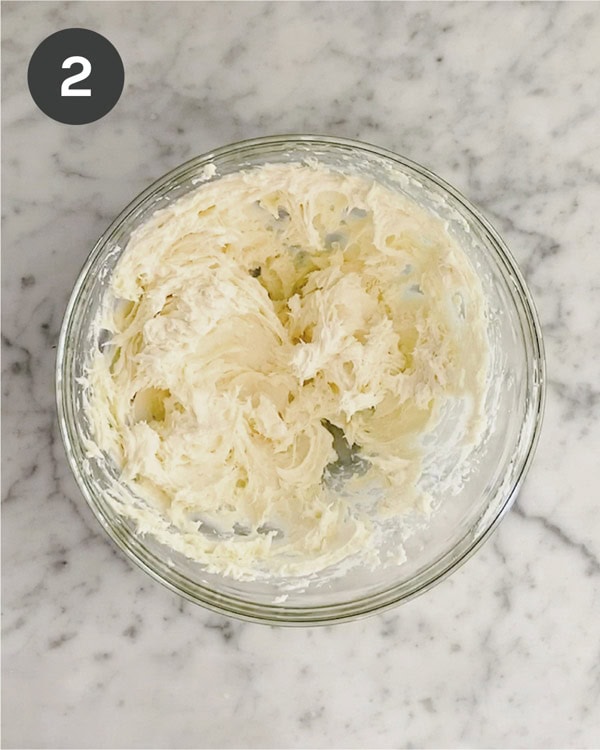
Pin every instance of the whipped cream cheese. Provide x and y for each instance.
(280, 342)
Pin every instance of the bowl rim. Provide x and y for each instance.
(280, 614)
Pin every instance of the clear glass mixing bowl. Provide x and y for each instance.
(499, 464)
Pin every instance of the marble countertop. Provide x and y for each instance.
(499, 99)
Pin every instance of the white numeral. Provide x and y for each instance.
(86, 69)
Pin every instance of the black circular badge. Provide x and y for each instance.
(75, 76)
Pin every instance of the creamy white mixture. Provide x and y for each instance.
(282, 340)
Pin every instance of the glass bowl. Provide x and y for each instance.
(462, 522)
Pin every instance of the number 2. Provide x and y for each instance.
(86, 69)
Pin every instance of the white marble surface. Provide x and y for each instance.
(501, 100)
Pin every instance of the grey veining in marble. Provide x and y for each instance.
(499, 99)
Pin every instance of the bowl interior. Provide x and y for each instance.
(495, 468)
